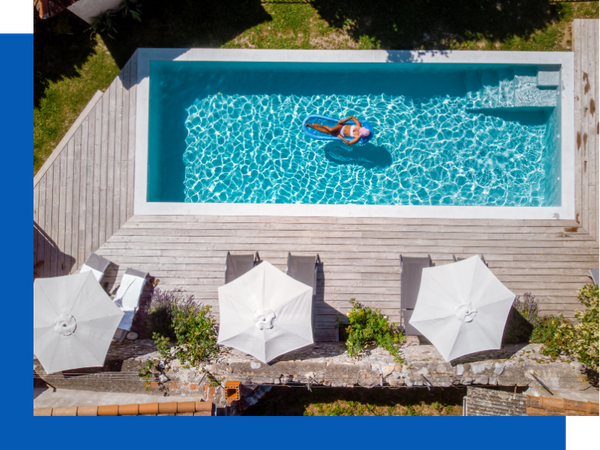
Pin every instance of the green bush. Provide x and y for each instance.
(104, 23)
(367, 328)
(560, 336)
(131, 8)
(176, 317)
(578, 338)
(581, 337)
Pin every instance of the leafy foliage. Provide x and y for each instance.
(369, 327)
(175, 316)
(577, 338)
(160, 310)
(131, 8)
(104, 23)
(564, 337)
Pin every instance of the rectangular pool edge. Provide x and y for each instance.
(564, 59)
(414, 212)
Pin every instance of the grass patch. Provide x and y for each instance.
(285, 401)
(64, 100)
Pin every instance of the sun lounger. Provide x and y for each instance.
(410, 282)
(238, 265)
(460, 259)
(303, 269)
(128, 299)
(95, 264)
(594, 275)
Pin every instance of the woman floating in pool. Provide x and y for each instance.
(341, 130)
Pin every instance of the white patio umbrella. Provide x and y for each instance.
(265, 313)
(74, 321)
(462, 308)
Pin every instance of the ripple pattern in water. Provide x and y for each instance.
(251, 149)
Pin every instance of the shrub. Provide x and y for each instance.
(582, 336)
(160, 310)
(131, 8)
(542, 328)
(579, 338)
(104, 23)
(175, 316)
(367, 328)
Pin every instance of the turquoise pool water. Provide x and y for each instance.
(230, 132)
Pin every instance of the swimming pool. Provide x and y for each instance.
(465, 137)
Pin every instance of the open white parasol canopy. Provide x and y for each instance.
(265, 313)
(462, 308)
(74, 321)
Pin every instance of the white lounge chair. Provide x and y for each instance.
(128, 299)
(95, 264)
(238, 265)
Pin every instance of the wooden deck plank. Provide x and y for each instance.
(585, 99)
(69, 199)
(55, 215)
(589, 126)
(116, 197)
(47, 268)
(341, 221)
(83, 174)
(76, 198)
(60, 231)
(596, 129)
(40, 222)
(110, 157)
(422, 247)
(131, 135)
(173, 234)
(578, 156)
(36, 204)
(90, 228)
(103, 168)
(39, 243)
(195, 230)
(123, 162)
(97, 177)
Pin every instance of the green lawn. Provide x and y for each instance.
(70, 67)
(328, 401)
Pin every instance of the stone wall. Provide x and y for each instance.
(491, 402)
(325, 364)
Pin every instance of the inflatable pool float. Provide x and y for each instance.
(330, 122)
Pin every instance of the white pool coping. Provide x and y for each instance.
(564, 59)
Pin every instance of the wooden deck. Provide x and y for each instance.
(83, 200)
(84, 191)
